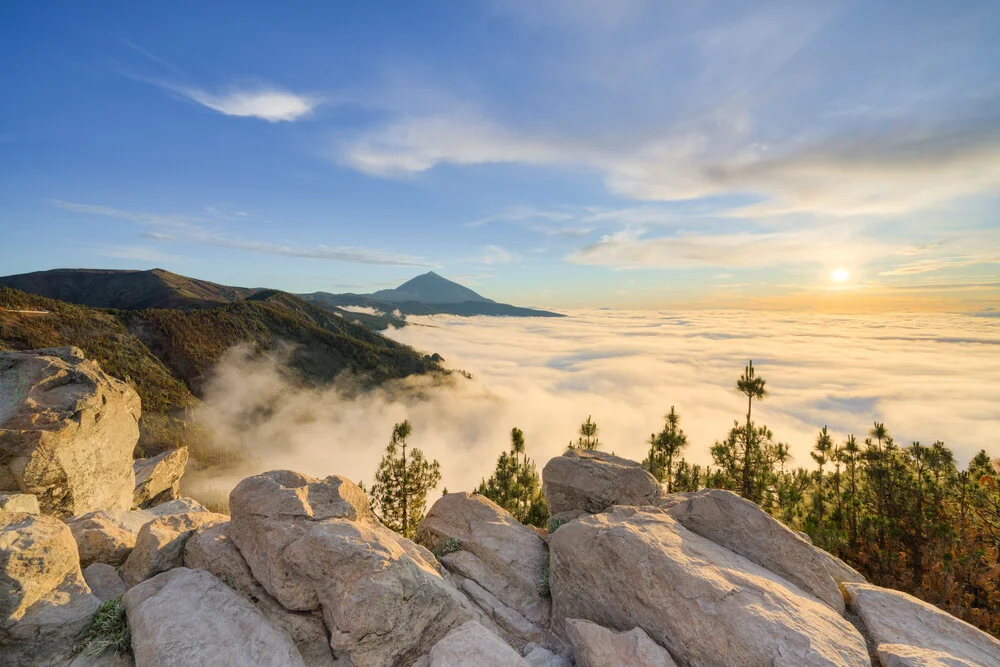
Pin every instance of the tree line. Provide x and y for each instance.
(906, 516)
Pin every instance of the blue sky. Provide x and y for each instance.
(561, 153)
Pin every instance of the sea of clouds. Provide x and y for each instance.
(927, 376)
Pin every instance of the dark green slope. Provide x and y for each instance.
(129, 290)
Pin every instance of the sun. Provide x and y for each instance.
(840, 275)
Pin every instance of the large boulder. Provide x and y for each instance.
(596, 646)
(593, 481)
(314, 544)
(188, 618)
(45, 604)
(67, 431)
(100, 539)
(160, 544)
(895, 618)
(211, 549)
(158, 478)
(741, 526)
(472, 644)
(707, 605)
(487, 545)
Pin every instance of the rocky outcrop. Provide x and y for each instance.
(741, 526)
(593, 481)
(160, 544)
(472, 644)
(211, 549)
(45, 603)
(640, 568)
(481, 542)
(104, 581)
(67, 431)
(312, 544)
(109, 536)
(188, 618)
(19, 502)
(895, 618)
(158, 478)
(596, 646)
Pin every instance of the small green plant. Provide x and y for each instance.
(449, 546)
(108, 630)
(543, 584)
(554, 524)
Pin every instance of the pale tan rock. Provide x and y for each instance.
(839, 571)
(497, 551)
(706, 604)
(596, 646)
(593, 481)
(101, 540)
(45, 603)
(188, 618)
(901, 655)
(104, 581)
(741, 526)
(472, 644)
(158, 478)
(160, 544)
(539, 656)
(313, 544)
(893, 617)
(19, 502)
(67, 431)
(211, 549)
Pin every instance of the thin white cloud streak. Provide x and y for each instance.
(271, 104)
(138, 253)
(185, 229)
(494, 254)
(927, 376)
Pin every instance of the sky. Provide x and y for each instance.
(926, 376)
(557, 153)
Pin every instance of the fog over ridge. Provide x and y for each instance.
(927, 376)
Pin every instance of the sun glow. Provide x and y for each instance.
(840, 275)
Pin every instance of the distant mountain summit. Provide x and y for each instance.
(427, 294)
(430, 288)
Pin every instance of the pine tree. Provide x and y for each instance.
(588, 436)
(821, 455)
(664, 450)
(515, 484)
(399, 494)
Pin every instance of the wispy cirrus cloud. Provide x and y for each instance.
(631, 248)
(266, 103)
(188, 229)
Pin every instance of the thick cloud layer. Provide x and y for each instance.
(927, 376)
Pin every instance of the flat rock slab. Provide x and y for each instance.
(893, 617)
(706, 604)
(741, 526)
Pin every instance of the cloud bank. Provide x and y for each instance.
(927, 376)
